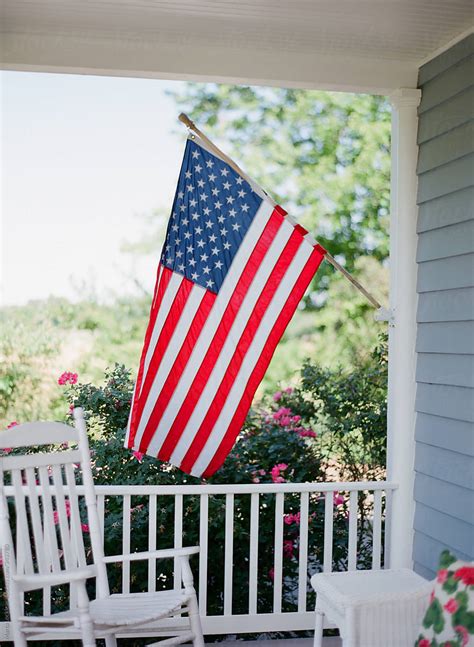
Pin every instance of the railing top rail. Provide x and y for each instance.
(262, 488)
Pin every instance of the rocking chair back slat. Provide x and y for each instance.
(24, 556)
(76, 525)
(35, 516)
(63, 510)
(50, 536)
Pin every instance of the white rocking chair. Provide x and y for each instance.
(49, 551)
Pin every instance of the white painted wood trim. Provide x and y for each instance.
(444, 48)
(192, 61)
(402, 332)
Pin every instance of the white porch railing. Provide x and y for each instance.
(289, 610)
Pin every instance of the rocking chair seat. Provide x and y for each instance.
(122, 610)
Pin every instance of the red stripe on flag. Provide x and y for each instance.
(177, 369)
(200, 380)
(162, 281)
(265, 357)
(162, 342)
(238, 357)
(301, 229)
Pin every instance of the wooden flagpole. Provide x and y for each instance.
(328, 257)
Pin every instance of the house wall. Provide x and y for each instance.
(444, 460)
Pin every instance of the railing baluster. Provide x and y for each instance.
(203, 557)
(278, 565)
(386, 538)
(178, 536)
(352, 544)
(101, 513)
(152, 542)
(253, 557)
(228, 553)
(126, 543)
(303, 556)
(328, 530)
(377, 530)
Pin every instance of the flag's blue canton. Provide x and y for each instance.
(212, 211)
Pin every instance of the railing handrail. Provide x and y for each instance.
(238, 488)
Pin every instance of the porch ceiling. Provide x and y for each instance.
(348, 44)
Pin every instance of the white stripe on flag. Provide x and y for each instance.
(232, 340)
(166, 303)
(271, 315)
(207, 333)
(174, 345)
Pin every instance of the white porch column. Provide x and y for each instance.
(402, 330)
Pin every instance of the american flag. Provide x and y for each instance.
(232, 272)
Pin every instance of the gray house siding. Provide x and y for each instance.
(444, 461)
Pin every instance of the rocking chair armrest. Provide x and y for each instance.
(153, 554)
(38, 581)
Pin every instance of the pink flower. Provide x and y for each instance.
(451, 606)
(464, 635)
(277, 396)
(442, 576)
(56, 513)
(285, 421)
(292, 518)
(255, 479)
(306, 433)
(424, 643)
(84, 527)
(139, 456)
(289, 390)
(296, 418)
(13, 424)
(7, 450)
(282, 411)
(67, 378)
(262, 472)
(288, 548)
(465, 574)
(71, 409)
(275, 472)
(338, 499)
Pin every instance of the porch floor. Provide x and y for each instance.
(284, 642)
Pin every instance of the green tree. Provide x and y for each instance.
(325, 156)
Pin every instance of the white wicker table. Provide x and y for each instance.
(371, 608)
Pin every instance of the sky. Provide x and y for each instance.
(84, 158)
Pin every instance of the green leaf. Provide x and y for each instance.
(446, 559)
(434, 617)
